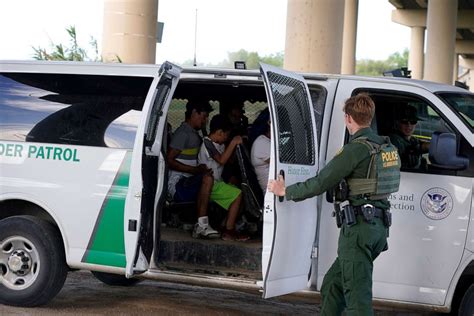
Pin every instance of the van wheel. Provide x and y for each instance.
(32, 261)
(114, 279)
(466, 308)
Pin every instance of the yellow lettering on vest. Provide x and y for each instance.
(390, 156)
(390, 159)
(390, 164)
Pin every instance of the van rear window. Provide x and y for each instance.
(88, 110)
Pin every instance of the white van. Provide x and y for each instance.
(83, 177)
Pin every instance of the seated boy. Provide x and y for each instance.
(189, 181)
(214, 154)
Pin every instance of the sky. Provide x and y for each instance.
(222, 26)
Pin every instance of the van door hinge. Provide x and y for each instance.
(314, 253)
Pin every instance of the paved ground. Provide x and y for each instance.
(84, 295)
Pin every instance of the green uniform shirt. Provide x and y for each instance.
(351, 162)
(408, 149)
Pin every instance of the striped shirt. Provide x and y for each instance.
(187, 140)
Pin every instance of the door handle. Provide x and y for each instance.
(282, 173)
(138, 195)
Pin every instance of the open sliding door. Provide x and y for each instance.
(138, 218)
(289, 228)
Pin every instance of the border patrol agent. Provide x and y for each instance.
(409, 147)
(364, 172)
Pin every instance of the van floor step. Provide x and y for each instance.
(178, 247)
(211, 271)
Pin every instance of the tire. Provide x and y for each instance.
(32, 261)
(114, 279)
(466, 308)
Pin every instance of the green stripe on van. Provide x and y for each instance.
(107, 243)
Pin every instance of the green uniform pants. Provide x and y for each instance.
(348, 283)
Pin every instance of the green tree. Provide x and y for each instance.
(190, 63)
(399, 60)
(251, 59)
(369, 67)
(68, 52)
(274, 59)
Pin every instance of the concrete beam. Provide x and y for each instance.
(399, 3)
(464, 47)
(422, 3)
(396, 3)
(418, 18)
(412, 18)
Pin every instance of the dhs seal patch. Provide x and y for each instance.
(436, 203)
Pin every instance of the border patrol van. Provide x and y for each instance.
(83, 177)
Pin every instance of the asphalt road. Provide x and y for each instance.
(85, 295)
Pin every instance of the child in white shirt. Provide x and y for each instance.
(214, 154)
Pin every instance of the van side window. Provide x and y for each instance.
(410, 122)
(89, 110)
(318, 98)
(296, 139)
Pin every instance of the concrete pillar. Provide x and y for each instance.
(468, 63)
(455, 67)
(314, 35)
(349, 37)
(471, 80)
(416, 55)
(129, 31)
(441, 35)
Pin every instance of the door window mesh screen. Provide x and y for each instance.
(296, 139)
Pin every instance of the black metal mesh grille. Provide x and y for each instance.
(296, 139)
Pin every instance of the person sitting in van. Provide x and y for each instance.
(215, 155)
(260, 153)
(235, 114)
(409, 147)
(239, 122)
(188, 180)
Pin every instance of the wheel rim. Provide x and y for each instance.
(19, 263)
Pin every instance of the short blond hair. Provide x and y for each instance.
(361, 108)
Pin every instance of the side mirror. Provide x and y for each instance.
(444, 152)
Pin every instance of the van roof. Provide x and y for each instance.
(150, 69)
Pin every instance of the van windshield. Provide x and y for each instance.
(463, 104)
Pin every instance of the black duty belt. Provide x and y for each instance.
(378, 212)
